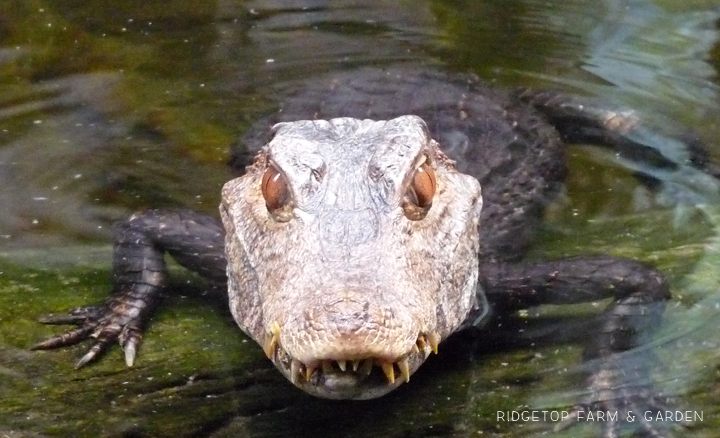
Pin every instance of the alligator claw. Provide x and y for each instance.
(634, 405)
(115, 321)
(92, 354)
(91, 324)
(130, 351)
(77, 316)
(130, 339)
(71, 337)
(87, 320)
(631, 414)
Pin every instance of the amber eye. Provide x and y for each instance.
(423, 186)
(421, 190)
(274, 189)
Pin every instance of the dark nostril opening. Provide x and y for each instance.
(347, 316)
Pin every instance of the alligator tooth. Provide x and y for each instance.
(275, 329)
(389, 371)
(309, 370)
(416, 349)
(342, 364)
(273, 341)
(294, 371)
(270, 345)
(421, 342)
(355, 364)
(404, 369)
(434, 340)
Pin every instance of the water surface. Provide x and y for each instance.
(108, 107)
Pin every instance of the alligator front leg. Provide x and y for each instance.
(618, 383)
(669, 157)
(139, 274)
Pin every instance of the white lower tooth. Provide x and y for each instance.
(404, 367)
(294, 371)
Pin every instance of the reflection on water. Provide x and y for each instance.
(106, 107)
(47, 175)
(633, 50)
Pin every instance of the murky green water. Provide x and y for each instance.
(107, 107)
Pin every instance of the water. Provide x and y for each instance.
(108, 107)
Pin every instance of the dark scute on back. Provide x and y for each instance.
(514, 153)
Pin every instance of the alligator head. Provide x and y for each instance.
(352, 250)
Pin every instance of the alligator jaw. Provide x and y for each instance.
(350, 378)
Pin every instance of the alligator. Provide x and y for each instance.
(385, 210)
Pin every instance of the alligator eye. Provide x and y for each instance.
(423, 186)
(274, 189)
(421, 190)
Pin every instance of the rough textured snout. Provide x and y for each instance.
(350, 345)
(351, 327)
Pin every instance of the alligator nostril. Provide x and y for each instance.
(348, 316)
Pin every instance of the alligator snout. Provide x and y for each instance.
(344, 346)
(349, 328)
